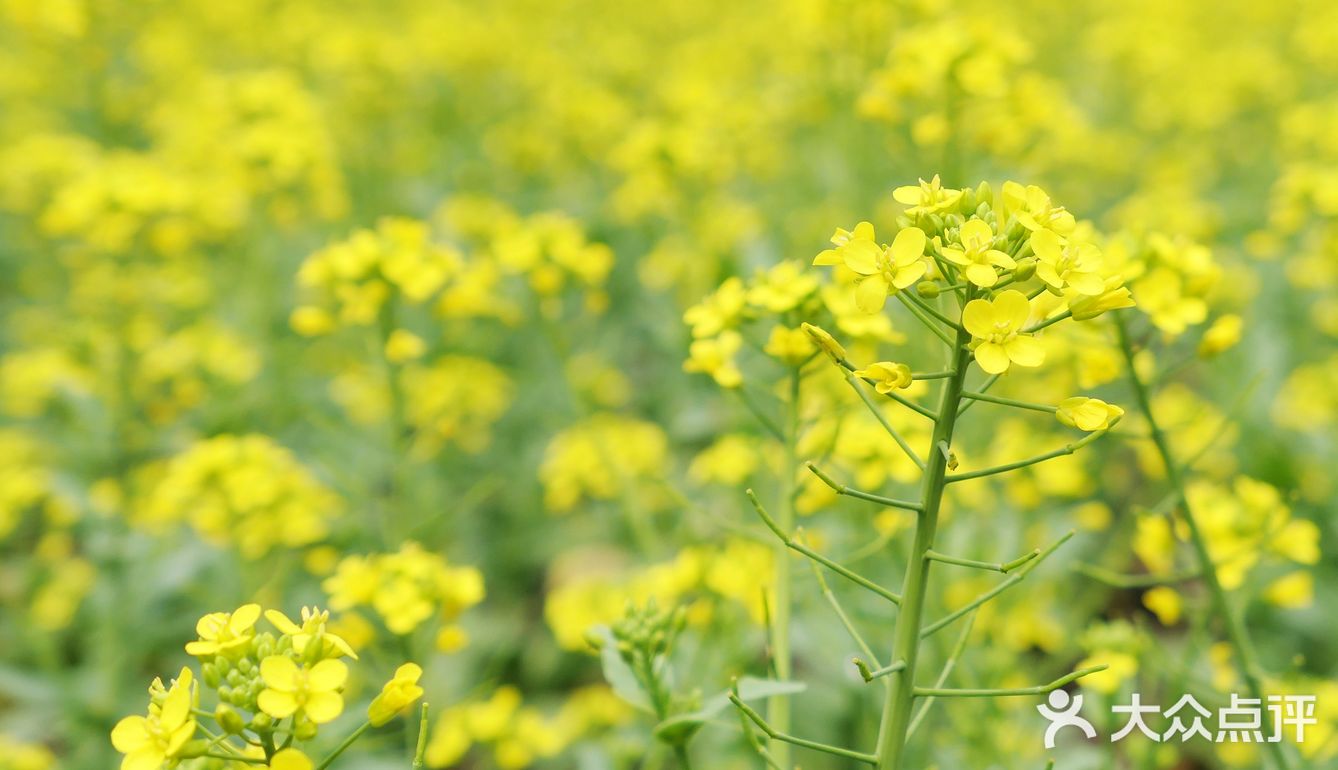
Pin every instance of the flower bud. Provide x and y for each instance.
(1025, 269)
(825, 342)
(262, 722)
(229, 719)
(192, 749)
(985, 194)
(305, 730)
(927, 289)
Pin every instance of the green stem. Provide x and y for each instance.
(1067, 449)
(1117, 580)
(946, 321)
(1009, 402)
(343, 746)
(778, 735)
(928, 322)
(1040, 689)
(992, 566)
(778, 708)
(1237, 636)
(420, 750)
(882, 420)
(900, 700)
(948, 665)
(842, 489)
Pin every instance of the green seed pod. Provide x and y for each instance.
(927, 289)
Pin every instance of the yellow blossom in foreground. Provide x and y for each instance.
(977, 254)
(397, 695)
(887, 376)
(148, 742)
(1063, 264)
(1087, 414)
(996, 326)
(290, 688)
(222, 631)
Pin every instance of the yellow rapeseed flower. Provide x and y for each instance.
(150, 741)
(997, 326)
(222, 631)
(290, 688)
(977, 253)
(927, 197)
(1087, 414)
(397, 695)
(887, 376)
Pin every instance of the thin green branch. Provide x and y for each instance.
(1009, 402)
(762, 725)
(900, 399)
(943, 375)
(799, 547)
(1049, 322)
(984, 386)
(842, 489)
(343, 746)
(948, 665)
(1067, 449)
(870, 674)
(924, 319)
(420, 750)
(1237, 635)
(882, 419)
(767, 423)
(1004, 567)
(1040, 689)
(842, 616)
(1014, 579)
(1117, 580)
(946, 321)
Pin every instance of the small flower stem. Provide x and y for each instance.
(1049, 322)
(842, 489)
(775, 734)
(1009, 402)
(928, 322)
(882, 419)
(986, 385)
(869, 674)
(234, 758)
(799, 547)
(906, 402)
(844, 618)
(1116, 580)
(1039, 689)
(1004, 567)
(931, 375)
(1067, 449)
(420, 751)
(343, 746)
(946, 321)
(1014, 579)
(1237, 636)
(762, 417)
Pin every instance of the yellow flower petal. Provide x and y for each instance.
(282, 622)
(130, 733)
(871, 294)
(243, 618)
(328, 675)
(981, 275)
(908, 246)
(1013, 308)
(279, 672)
(322, 707)
(276, 703)
(1025, 351)
(978, 318)
(290, 759)
(992, 358)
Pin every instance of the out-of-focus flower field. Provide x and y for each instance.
(340, 336)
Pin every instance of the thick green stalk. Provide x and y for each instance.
(1237, 636)
(900, 699)
(778, 708)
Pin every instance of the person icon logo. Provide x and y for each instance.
(1062, 712)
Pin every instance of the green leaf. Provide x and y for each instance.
(618, 674)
